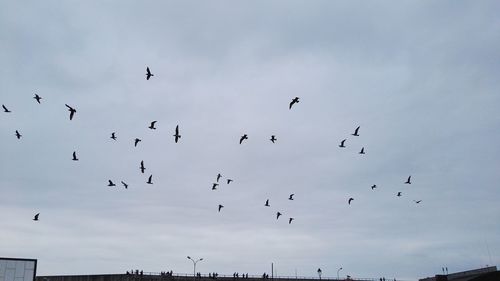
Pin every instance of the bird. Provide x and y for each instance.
(290, 220)
(294, 101)
(374, 186)
(342, 143)
(152, 126)
(142, 167)
(291, 196)
(244, 137)
(350, 200)
(5, 109)
(176, 135)
(113, 136)
(218, 177)
(278, 214)
(399, 194)
(148, 73)
(74, 156)
(125, 184)
(150, 180)
(220, 207)
(417, 201)
(408, 181)
(362, 151)
(267, 203)
(136, 141)
(229, 181)
(71, 111)
(18, 135)
(37, 98)
(111, 183)
(356, 132)
(36, 217)
(214, 186)
(273, 138)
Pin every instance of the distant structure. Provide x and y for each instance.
(480, 274)
(17, 269)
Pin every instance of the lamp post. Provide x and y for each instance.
(319, 273)
(194, 265)
(338, 273)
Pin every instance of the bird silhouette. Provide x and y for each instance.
(218, 177)
(374, 186)
(417, 201)
(176, 135)
(362, 151)
(267, 203)
(229, 181)
(72, 111)
(214, 186)
(290, 220)
(111, 183)
(142, 167)
(18, 135)
(350, 200)
(342, 143)
(150, 180)
(294, 101)
(152, 126)
(291, 196)
(36, 217)
(220, 207)
(136, 141)
(125, 184)
(278, 214)
(399, 194)
(273, 138)
(148, 73)
(356, 132)
(74, 156)
(113, 136)
(37, 98)
(5, 109)
(244, 137)
(408, 181)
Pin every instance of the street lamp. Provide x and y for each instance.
(338, 272)
(319, 273)
(194, 265)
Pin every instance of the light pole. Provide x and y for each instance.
(338, 273)
(319, 273)
(194, 265)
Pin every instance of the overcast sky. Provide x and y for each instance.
(421, 78)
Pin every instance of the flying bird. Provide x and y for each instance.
(350, 200)
(356, 132)
(37, 97)
(177, 136)
(125, 184)
(273, 138)
(374, 186)
(267, 203)
(408, 181)
(110, 183)
(74, 156)
(142, 167)
(294, 101)
(113, 136)
(362, 151)
(136, 141)
(229, 181)
(5, 109)
(290, 220)
(18, 135)
(342, 143)
(291, 196)
(36, 217)
(278, 214)
(220, 207)
(417, 201)
(71, 111)
(150, 180)
(244, 137)
(214, 186)
(152, 126)
(148, 73)
(218, 177)
(399, 194)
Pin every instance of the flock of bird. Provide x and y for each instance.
(177, 136)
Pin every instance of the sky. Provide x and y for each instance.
(420, 78)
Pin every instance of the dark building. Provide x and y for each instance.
(469, 275)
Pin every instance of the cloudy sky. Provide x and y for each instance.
(421, 78)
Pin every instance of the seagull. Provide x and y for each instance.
(273, 138)
(350, 200)
(5, 109)
(125, 184)
(36, 217)
(214, 186)
(113, 136)
(362, 151)
(244, 137)
(294, 101)
(148, 73)
(220, 207)
(417, 201)
(177, 136)
(229, 181)
(110, 183)
(408, 180)
(278, 214)
(71, 111)
(18, 135)
(267, 203)
(136, 141)
(74, 156)
(152, 126)
(342, 143)
(399, 194)
(290, 220)
(37, 97)
(150, 180)
(291, 196)
(218, 177)
(142, 167)
(356, 132)
(374, 186)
